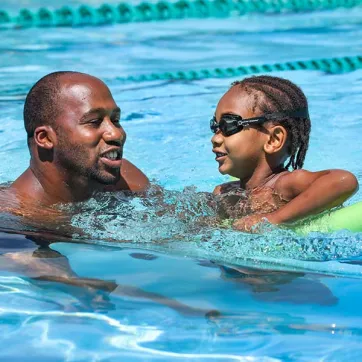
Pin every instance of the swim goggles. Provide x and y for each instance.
(232, 123)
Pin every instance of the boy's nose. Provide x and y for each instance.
(217, 139)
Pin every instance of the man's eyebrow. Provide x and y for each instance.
(101, 111)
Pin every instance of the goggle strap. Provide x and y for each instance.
(246, 122)
(297, 113)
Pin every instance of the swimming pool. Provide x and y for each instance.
(209, 294)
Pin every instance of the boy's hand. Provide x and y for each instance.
(249, 223)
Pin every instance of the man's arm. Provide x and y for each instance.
(132, 179)
(48, 265)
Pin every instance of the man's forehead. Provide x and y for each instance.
(85, 89)
(77, 91)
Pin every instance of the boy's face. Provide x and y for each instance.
(239, 154)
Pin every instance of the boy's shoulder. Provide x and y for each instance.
(226, 187)
(291, 184)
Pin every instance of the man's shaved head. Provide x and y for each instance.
(43, 102)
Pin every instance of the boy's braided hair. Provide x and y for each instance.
(273, 94)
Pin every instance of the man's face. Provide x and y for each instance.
(90, 138)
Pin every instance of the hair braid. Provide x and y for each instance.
(279, 95)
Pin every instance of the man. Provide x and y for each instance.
(75, 140)
(76, 147)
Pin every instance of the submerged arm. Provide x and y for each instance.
(45, 265)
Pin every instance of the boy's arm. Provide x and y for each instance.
(309, 192)
(312, 193)
(132, 179)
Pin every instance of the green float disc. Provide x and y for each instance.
(347, 218)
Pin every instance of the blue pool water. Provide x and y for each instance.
(174, 291)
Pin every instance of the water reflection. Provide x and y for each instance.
(48, 269)
(277, 286)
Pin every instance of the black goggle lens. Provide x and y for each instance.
(228, 126)
(232, 123)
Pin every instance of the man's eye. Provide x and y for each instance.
(96, 122)
(117, 121)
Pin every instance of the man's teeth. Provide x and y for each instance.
(219, 154)
(112, 155)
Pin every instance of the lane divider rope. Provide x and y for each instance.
(162, 10)
(328, 65)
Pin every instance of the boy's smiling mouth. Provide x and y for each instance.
(219, 155)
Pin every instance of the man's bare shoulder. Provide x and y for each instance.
(132, 179)
(8, 199)
(24, 182)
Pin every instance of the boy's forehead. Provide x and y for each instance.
(235, 101)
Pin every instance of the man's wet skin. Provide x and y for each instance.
(77, 153)
(72, 159)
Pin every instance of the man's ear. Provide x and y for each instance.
(277, 139)
(45, 137)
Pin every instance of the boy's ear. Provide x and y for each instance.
(277, 139)
(45, 137)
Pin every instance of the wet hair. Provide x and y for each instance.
(273, 94)
(42, 105)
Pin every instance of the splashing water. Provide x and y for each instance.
(156, 218)
(185, 223)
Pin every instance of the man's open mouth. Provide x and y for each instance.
(112, 155)
(112, 158)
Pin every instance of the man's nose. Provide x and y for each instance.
(113, 132)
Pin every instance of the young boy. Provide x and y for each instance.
(261, 128)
